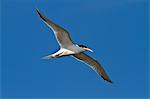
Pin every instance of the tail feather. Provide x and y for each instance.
(47, 57)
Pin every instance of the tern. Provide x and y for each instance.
(68, 48)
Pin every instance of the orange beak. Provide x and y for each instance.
(88, 49)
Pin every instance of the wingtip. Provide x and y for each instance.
(108, 80)
(37, 10)
(40, 14)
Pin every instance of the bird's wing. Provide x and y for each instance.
(93, 64)
(61, 34)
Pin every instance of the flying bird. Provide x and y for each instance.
(68, 48)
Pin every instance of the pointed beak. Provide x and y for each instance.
(88, 49)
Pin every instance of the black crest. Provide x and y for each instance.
(83, 46)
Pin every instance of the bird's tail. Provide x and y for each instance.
(48, 57)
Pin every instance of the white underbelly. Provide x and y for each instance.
(67, 51)
(74, 49)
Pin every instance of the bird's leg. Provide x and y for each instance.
(58, 55)
(62, 54)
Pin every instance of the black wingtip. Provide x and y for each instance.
(37, 10)
(41, 16)
(108, 80)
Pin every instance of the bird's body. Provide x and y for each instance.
(68, 48)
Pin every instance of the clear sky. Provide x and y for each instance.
(117, 31)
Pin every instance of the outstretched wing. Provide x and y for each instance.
(93, 64)
(61, 34)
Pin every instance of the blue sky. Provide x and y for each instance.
(116, 30)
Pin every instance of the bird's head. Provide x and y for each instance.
(85, 48)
